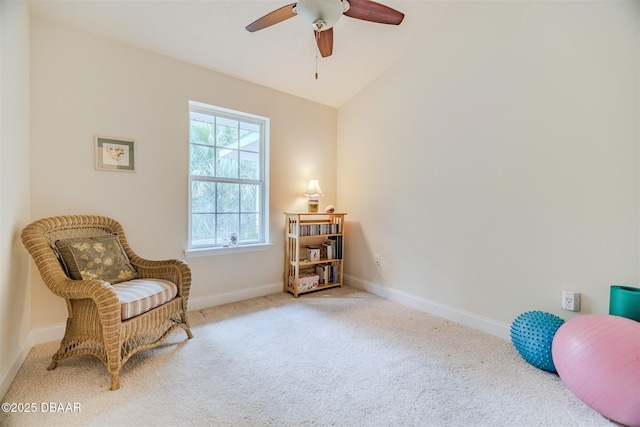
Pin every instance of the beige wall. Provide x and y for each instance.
(14, 187)
(83, 85)
(499, 162)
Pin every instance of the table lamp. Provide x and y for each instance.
(313, 191)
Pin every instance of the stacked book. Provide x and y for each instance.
(327, 273)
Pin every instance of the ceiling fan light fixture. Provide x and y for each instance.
(321, 14)
(319, 25)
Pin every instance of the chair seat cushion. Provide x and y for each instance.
(138, 296)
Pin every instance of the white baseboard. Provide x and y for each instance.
(49, 333)
(199, 303)
(481, 323)
(14, 366)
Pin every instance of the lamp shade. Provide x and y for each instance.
(313, 189)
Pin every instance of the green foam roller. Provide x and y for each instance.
(625, 301)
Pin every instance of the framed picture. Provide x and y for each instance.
(115, 154)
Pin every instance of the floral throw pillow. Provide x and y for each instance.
(96, 257)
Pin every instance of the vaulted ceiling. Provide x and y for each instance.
(211, 34)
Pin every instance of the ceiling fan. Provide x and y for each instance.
(322, 15)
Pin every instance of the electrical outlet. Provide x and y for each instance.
(377, 259)
(570, 300)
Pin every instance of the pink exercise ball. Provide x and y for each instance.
(598, 358)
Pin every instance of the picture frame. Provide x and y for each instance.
(112, 154)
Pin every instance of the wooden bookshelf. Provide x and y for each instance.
(323, 232)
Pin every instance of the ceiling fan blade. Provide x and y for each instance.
(278, 15)
(368, 10)
(324, 39)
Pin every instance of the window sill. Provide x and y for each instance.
(222, 250)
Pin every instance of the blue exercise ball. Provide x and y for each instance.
(532, 335)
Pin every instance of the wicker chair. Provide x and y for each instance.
(94, 325)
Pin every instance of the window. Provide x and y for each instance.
(228, 178)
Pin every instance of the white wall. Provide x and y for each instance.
(14, 187)
(499, 162)
(83, 85)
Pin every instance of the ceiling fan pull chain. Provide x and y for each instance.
(317, 38)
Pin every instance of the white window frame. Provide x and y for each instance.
(264, 242)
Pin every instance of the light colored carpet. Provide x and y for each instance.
(338, 357)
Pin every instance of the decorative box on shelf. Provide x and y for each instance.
(313, 251)
(306, 281)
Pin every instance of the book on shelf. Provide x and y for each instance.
(327, 273)
(323, 273)
(337, 254)
(328, 249)
(315, 229)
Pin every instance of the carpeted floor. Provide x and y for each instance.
(338, 357)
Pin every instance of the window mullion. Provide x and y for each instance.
(215, 146)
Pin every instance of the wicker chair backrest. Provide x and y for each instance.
(76, 231)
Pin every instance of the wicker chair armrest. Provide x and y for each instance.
(98, 290)
(175, 270)
(102, 294)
